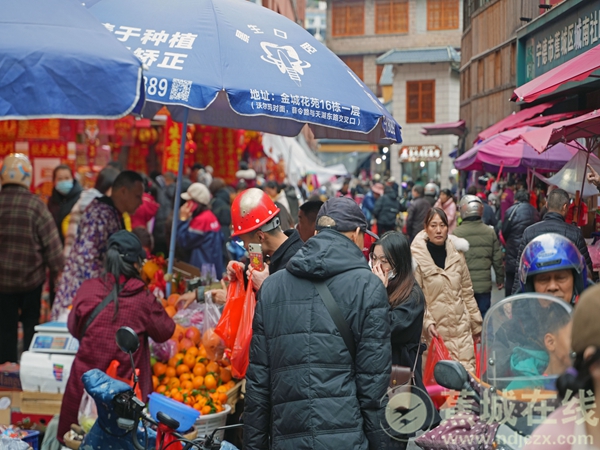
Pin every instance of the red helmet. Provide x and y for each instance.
(251, 210)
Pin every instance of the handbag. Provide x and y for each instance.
(403, 376)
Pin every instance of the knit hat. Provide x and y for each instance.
(586, 318)
(197, 192)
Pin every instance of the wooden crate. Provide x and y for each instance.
(40, 403)
(234, 394)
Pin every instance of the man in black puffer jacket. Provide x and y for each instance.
(517, 218)
(554, 222)
(417, 212)
(303, 389)
(386, 211)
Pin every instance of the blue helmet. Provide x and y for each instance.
(550, 252)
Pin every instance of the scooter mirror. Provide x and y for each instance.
(127, 340)
(451, 375)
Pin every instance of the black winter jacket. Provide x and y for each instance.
(221, 208)
(386, 209)
(517, 218)
(417, 212)
(553, 222)
(303, 390)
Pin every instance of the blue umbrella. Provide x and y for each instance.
(232, 63)
(56, 60)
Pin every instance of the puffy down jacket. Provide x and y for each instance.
(303, 389)
(517, 218)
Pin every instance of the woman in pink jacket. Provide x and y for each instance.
(446, 202)
(576, 424)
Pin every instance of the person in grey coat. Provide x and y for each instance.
(304, 390)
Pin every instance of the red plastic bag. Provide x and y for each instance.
(437, 352)
(112, 372)
(477, 361)
(240, 353)
(228, 325)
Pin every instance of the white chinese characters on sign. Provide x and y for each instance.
(584, 32)
(412, 153)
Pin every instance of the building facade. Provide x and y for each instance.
(361, 31)
(316, 19)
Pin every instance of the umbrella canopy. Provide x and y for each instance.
(232, 63)
(494, 153)
(513, 121)
(541, 121)
(57, 60)
(576, 69)
(456, 128)
(572, 176)
(586, 126)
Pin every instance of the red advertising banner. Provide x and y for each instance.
(220, 148)
(171, 146)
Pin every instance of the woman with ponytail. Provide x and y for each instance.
(576, 424)
(103, 305)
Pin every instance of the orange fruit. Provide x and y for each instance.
(179, 333)
(219, 408)
(223, 398)
(173, 299)
(184, 344)
(173, 391)
(189, 360)
(187, 384)
(171, 372)
(206, 410)
(197, 382)
(212, 367)
(178, 396)
(193, 334)
(189, 400)
(230, 384)
(210, 382)
(200, 369)
(154, 382)
(164, 303)
(185, 377)
(197, 406)
(161, 389)
(171, 311)
(202, 352)
(165, 380)
(174, 383)
(159, 369)
(225, 374)
(222, 389)
(176, 360)
(192, 351)
(201, 400)
(182, 368)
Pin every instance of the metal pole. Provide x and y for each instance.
(177, 202)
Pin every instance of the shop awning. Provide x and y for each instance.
(514, 120)
(586, 126)
(542, 121)
(457, 128)
(576, 69)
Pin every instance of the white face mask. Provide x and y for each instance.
(391, 275)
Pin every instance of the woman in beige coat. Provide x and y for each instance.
(442, 273)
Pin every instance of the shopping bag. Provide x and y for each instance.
(477, 360)
(112, 372)
(437, 352)
(213, 344)
(240, 353)
(229, 323)
(88, 413)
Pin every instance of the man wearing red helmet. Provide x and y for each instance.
(255, 220)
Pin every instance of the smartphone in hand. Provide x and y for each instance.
(256, 257)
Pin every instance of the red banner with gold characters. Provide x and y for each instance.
(11, 130)
(220, 148)
(172, 146)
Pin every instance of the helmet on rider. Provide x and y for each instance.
(470, 206)
(16, 169)
(253, 210)
(431, 189)
(552, 264)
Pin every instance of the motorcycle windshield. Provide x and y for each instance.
(526, 343)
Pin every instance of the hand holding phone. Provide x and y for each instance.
(256, 257)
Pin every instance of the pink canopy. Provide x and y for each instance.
(585, 126)
(494, 153)
(456, 128)
(514, 120)
(576, 69)
(541, 121)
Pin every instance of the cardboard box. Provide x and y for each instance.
(45, 372)
(40, 403)
(9, 400)
(9, 377)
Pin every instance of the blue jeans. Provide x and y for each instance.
(484, 301)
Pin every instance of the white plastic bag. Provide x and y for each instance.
(88, 413)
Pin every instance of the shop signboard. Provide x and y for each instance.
(566, 31)
(416, 153)
(171, 146)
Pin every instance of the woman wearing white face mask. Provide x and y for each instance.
(65, 194)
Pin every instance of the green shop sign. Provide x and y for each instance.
(556, 37)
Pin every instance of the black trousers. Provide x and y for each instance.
(23, 307)
(509, 279)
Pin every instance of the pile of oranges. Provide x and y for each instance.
(190, 376)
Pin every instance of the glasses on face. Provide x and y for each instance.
(378, 259)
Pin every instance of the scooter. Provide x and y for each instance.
(516, 392)
(122, 422)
